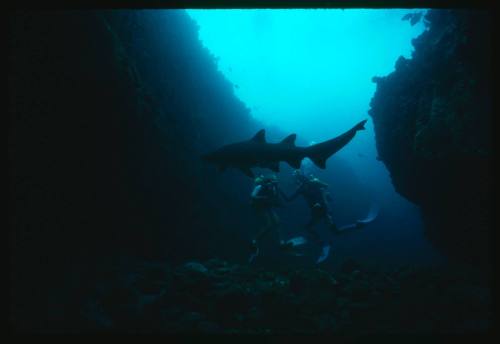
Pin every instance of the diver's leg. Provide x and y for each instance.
(262, 216)
(275, 222)
(310, 229)
(331, 224)
(267, 227)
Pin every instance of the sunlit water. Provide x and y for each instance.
(310, 72)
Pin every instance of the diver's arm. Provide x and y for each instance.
(326, 198)
(255, 192)
(323, 195)
(324, 190)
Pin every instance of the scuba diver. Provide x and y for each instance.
(317, 196)
(266, 196)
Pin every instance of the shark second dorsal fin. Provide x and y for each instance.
(260, 136)
(289, 140)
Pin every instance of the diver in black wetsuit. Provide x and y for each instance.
(316, 194)
(266, 196)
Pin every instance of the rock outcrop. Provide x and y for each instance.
(433, 125)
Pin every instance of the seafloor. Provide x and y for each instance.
(219, 297)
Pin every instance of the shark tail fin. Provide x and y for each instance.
(320, 152)
(360, 125)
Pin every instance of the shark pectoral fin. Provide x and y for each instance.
(295, 163)
(247, 171)
(289, 140)
(320, 162)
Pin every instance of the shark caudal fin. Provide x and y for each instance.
(360, 125)
(320, 152)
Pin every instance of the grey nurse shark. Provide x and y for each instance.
(256, 152)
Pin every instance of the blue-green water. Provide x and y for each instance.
(310, 72)
(307, 71)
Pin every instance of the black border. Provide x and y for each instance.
(283, 4)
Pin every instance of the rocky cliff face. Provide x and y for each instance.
(109, 112)
(432, 119)
(99, 165)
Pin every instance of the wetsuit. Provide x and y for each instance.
(265, 197)
(315, 193)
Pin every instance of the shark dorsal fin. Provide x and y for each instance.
(260, 136)
(289, 140)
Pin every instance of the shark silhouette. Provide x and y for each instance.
(256, 152)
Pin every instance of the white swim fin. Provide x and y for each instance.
(325, 251)
(253, 256)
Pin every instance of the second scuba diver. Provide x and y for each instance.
(316, 194)
(266, 196)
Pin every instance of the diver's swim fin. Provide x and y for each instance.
(297, 241)
(290, 245)
(325, 251)
(253, 256)
(372, 215)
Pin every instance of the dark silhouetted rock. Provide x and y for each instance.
(433, 123)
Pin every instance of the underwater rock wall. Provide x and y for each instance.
(195, 111)
(109, 112)
(89, 142)
(432, 119)
(98, 166)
